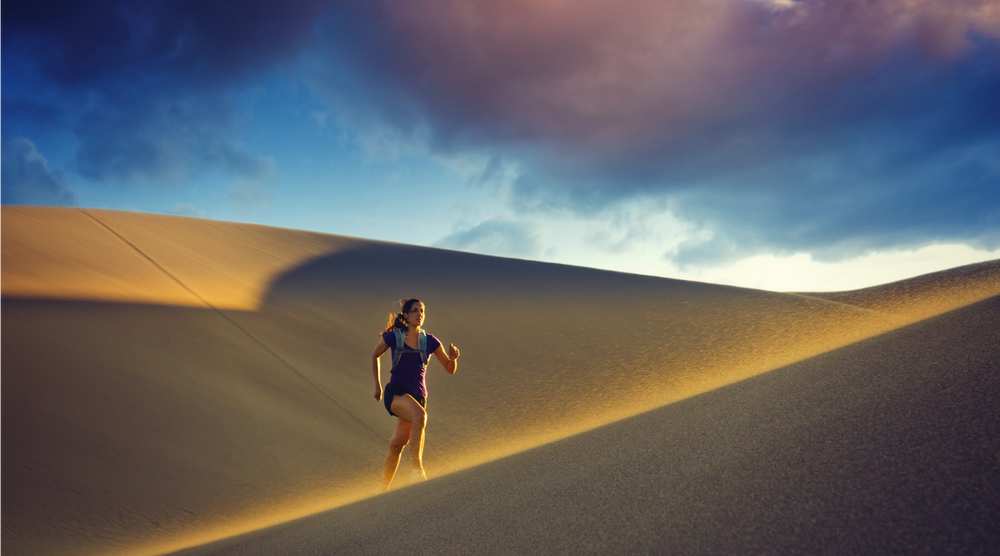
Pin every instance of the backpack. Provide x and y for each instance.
(401, 345)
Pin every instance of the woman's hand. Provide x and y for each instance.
(450, 360)
(378, 392)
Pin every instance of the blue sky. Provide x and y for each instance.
(786, 145)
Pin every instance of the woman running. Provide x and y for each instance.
(406, 393)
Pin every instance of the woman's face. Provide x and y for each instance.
(416, 315)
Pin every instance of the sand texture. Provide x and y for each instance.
(887, 446)
(169, 381)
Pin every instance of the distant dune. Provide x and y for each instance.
(170, 381)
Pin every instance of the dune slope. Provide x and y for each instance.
(168, 381)
(887, 446)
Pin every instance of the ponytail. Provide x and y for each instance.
(397, 321)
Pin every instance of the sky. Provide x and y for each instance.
(788, 145)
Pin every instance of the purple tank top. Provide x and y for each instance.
(409, 374)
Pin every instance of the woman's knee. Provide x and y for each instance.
(409, 410)
(420, 418)
(398, 443)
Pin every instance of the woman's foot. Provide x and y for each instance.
(418, 475)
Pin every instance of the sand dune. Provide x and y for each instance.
(170, 381)
(137, 258)
(887, 446)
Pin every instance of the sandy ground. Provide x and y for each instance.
(888, 446)
(169, 381)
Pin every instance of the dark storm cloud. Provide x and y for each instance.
(27, 179)
(919, 167)
(146, 87)
(844, 126)
(198, 41)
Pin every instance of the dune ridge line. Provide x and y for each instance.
(231, 321)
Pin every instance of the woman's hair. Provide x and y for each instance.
(398, 320)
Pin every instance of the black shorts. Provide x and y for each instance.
(397, 390)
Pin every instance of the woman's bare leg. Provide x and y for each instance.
(399, 440)
(409, 410)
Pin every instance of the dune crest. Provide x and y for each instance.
(925, 296)
(123, 257)
(168, 380)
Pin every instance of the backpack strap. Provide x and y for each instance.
(422, 346)
(401, 344)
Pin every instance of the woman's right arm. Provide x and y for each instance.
(379, 350)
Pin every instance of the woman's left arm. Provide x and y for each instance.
(448, 360)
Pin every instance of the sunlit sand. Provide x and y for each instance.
(99, 255)
(171, 381)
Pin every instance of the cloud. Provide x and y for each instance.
(619, 78)
(320, 118)
(845, 126)
(27, 179)
(838, 211)
(188, 209)
(248, 195)
(161, 138)
(635, 225)
(501, 236)
(147, 88)
(203, 41)
(820, 126)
